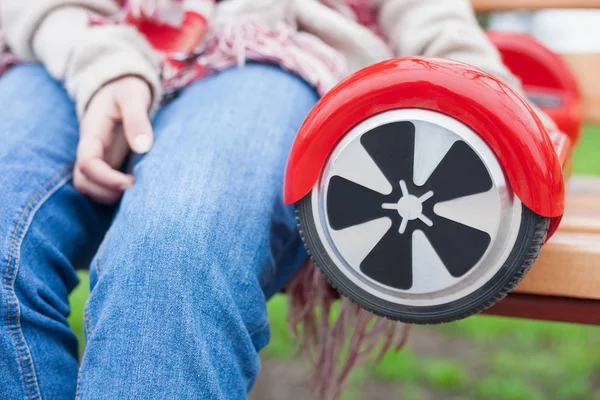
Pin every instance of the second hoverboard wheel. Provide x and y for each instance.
(413, 219)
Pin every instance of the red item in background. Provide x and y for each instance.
(546, 78)
(169, 39)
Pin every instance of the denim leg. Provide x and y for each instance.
(177, 309)
(46, 230)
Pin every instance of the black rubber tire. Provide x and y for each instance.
(531, 237)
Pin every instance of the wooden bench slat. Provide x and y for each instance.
(564, 283)
(569, 264)
(583, 206)
(504, 5)
(586, 67)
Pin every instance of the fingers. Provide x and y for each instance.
(98, 193)
(91, 163)
(93, 176)
(99, 122)
(135, 120)
(99, 172)
(118, 150)
(103, 147)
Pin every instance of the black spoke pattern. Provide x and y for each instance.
(390, 261)
(460, 173)
(459, 247)
(392, 147)
(350, 204)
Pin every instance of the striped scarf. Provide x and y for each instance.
(231, 44)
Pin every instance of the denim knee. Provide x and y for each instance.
(181, 295)
(164, 249)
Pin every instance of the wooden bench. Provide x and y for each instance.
(564, 284)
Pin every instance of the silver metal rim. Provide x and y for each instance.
(497, 212)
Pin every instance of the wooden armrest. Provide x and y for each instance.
(564, 283)
(505, 5)
(586, 67)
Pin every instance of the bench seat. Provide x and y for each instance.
(564, 283)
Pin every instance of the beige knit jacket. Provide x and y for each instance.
(57, 33)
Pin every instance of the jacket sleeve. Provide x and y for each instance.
(443, 29)
(85, 57)
(448, 29)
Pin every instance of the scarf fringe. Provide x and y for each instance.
(236, 43)
(335, 345)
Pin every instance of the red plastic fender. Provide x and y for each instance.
(489, 107)
(544, 73)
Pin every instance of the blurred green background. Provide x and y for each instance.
(481, 357)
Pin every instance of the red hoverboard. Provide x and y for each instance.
(425, 188)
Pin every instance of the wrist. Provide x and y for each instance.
(107, 54)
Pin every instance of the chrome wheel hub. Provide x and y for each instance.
(409, 207)
(414, 208)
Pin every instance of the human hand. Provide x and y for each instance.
(115, 121)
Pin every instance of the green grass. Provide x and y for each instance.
(413, 392)
(77, 299)
(282, 345)
(587, 160)
(514, 359)
(500, 388)
(402, 366)
(445, 374)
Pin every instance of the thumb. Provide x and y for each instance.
(136, 123)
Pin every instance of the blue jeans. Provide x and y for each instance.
(180, 271)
